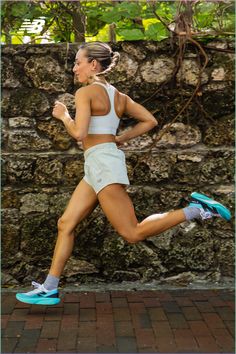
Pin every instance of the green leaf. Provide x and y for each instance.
(16, 40)
(121, 11)
(19, 9)
(131, 35)
(129, 10)
(111, 16)
(166, 10)
(229, 23)
(156, 31)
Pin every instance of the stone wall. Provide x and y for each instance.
(42, 164)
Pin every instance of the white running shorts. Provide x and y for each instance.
(105, 164)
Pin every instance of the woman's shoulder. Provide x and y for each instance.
(82, 89)
(87, 90)
(97, 85)
(93, 88)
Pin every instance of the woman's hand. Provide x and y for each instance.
(59, 110)
(118, 140)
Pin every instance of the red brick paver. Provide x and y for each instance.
(158, 321)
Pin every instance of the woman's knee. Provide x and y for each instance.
(64, 225)
(131, 236)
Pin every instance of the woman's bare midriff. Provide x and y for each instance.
(94, 139)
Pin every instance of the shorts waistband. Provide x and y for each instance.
(102, 146)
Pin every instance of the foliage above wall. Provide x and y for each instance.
(75, 21)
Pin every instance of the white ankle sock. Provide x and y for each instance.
(192, 212)
(51, 282)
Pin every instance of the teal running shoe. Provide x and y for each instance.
(209, 207)
(39, 296)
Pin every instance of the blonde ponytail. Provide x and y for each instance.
(115, 57)
(103, 53)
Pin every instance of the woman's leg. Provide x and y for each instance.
(119, 210)
(83, 201)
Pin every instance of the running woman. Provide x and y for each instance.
(99, 108)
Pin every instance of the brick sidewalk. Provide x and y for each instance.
(176, 321)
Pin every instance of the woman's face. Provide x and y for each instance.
(82, 68)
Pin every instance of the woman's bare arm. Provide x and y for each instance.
(77, 128)
(146, 120)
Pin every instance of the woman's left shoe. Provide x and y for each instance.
(39, 296)
(209, 206)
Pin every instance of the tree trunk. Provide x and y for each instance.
(112, 32)
(79, 19)
(8, 37)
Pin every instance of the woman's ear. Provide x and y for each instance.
(94, 63)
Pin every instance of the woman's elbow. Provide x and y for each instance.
(153, 123)
(81, 135)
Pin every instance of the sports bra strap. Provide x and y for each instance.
(111, 94)
(99, 83)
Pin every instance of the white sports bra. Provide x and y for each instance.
(108, 123)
